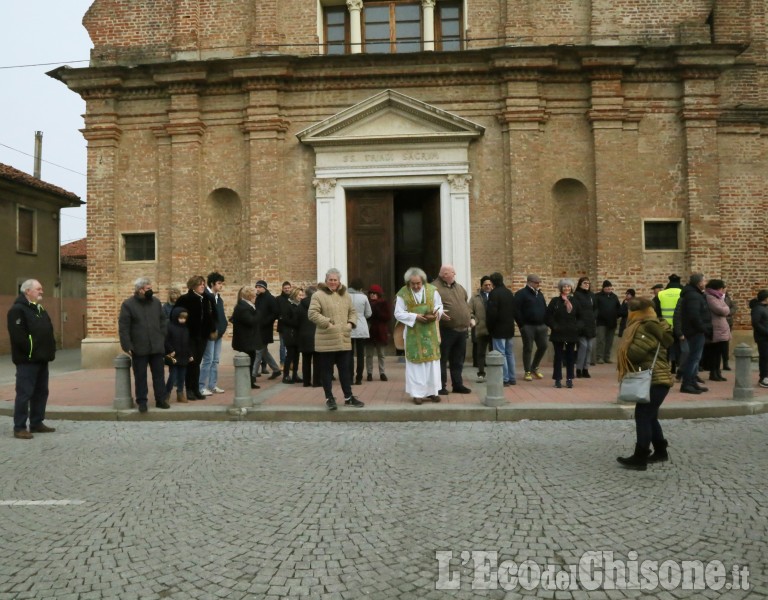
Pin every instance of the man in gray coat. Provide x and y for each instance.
(142, 326)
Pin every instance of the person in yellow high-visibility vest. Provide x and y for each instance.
(665, 303)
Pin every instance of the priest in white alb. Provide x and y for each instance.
(419, 308)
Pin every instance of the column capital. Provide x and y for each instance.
(428, 3)
(459, 183)
(354, 5)
(324, 187)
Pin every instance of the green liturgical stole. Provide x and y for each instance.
(422, 342)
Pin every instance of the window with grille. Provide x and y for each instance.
(662, 235)
(139, 246)
(25, 230)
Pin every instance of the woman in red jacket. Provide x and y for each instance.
(378, 326)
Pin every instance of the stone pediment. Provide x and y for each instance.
(390, 117)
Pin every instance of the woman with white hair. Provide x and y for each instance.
(419, 308)
(564, 321)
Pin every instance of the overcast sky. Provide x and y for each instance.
(34, 32)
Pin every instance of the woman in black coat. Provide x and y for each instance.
(564, 321)
(306, 338)
(584, 299)
(246, 327)
(289, 329)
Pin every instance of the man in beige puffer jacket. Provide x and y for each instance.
(334, 316)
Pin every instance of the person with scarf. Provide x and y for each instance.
(645, 334)
(564, 321)
(419, 307)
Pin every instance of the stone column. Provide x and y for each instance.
(428, 26)
(331, 228)
(355, 30)
(104, 298)
(455, 228)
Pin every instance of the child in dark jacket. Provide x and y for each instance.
(178, 352)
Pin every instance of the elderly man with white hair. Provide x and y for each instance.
(418, 307)
(33, 346)
(142, 325)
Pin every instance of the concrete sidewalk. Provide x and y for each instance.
(88, 395)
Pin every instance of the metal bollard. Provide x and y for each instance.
(742, 386)
(243, 397)
(494, 378)
(123, 399)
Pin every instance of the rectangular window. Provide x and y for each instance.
(336, 30)
(391, 27)
(448, 26)
(662, 235)
(139, 246)
(25, 230)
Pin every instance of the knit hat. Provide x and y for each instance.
(674, 278)
(658, 286)
(606, 284)
(376, 289)
(261, 283)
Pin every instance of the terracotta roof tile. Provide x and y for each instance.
(10, 174)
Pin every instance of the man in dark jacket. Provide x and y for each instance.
(202, 327)
(209, 365)
(143, 326)
(531, 314)
(269, 312)
(33, 346)
(759, 316)
(282, 306)
(695, 328)
(500, 319)
(607, 309)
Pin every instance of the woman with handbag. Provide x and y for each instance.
(643, 346)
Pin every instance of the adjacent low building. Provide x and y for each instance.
(29, 244)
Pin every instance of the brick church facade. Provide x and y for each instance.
(273, 139)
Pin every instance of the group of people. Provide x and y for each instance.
(185, 333)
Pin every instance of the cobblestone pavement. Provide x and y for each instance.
(327, 510)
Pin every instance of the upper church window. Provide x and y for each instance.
(392, 26)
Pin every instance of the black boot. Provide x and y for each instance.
(578, 373)
(585, 374)
(638, 461)
(660, 453)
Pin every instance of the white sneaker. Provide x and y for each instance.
(480, 379)
(763, 382)
(205, 392)
(218, 390)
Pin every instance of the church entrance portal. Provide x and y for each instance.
(389, 231)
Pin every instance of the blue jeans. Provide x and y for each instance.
(209, 367)
(691, 367)
(266, 355)
(584, 354)
(647, 418)
(31, 395)
(505, 347)
(157, 367)
(283, 349)
(176, 376)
